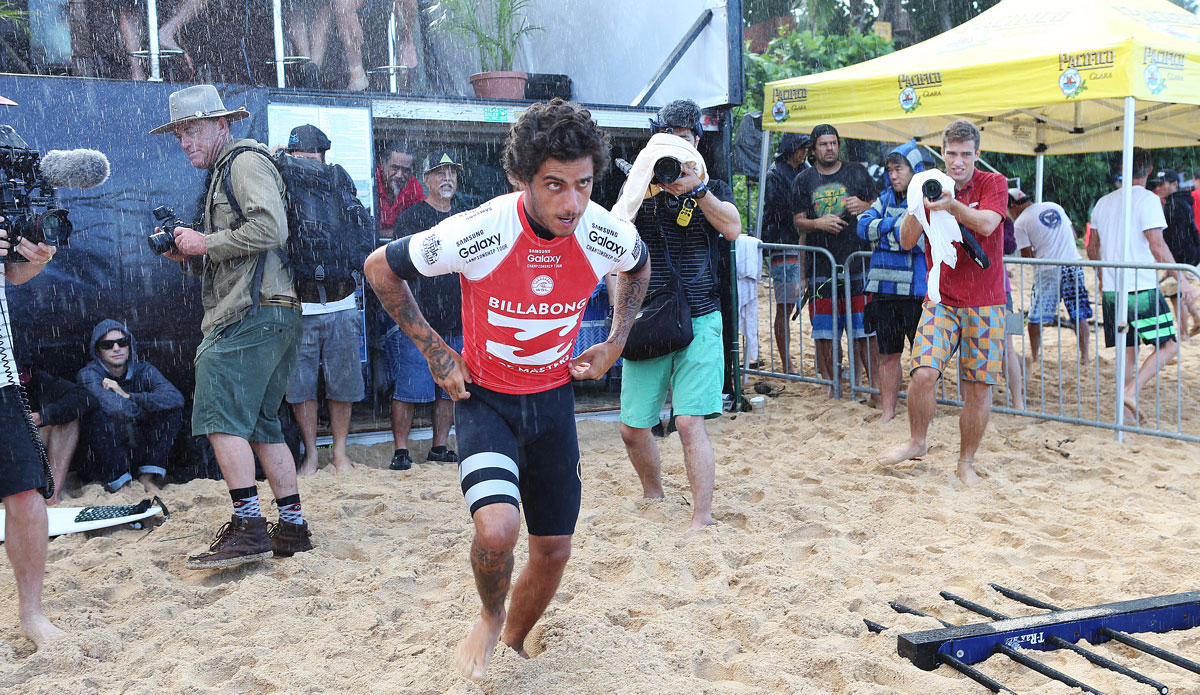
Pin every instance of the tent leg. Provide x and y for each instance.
(1126, 246)
(1041, 178)
(762, 178)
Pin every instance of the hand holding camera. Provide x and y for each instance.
(675, 177)
(172, 239)
(25, 249)
(937, 199)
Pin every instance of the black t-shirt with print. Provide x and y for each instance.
(440, 297)
(815, 195)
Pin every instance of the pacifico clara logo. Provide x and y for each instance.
(929, 84)
(1098, 65)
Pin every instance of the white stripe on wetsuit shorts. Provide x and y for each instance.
(489, 477)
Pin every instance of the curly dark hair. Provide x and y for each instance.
(555, 129)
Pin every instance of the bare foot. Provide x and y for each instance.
(148, 484)
(966, 473)
(358, 80)
(886, 417)
(519, 649)
(309, 467)
(699, 523)
(127, 490)
(39, 629)
(475, 651)
(910, 450)
(342, 464)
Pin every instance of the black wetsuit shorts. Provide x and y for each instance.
(20, 462)
(518, 449)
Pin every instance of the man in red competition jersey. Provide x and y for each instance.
(970, 316)
(529, 261)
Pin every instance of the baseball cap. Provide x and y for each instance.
(439, 158)
(1016, 195)
(307, 138)
(1164, 176)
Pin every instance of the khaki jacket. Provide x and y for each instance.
(228, 267)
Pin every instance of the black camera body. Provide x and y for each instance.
(932, 189)
(164, 241)
(667, 170)
(23, 191)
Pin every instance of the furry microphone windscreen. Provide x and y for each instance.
(75, 168)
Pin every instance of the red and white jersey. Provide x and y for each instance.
(522, 296)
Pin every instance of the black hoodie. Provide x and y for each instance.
(149, 391)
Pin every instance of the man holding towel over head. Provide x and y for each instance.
(964, 307)
(682, 219)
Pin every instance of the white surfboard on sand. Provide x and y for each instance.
(65, 520)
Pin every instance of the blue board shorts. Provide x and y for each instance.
(411, 380)
(20, 464)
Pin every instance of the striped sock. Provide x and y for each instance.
(289, 509)
(245, 502)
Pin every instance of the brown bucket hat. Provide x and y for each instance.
(195, 103)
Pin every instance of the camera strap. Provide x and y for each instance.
(223, 173)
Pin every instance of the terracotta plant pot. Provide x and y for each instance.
(499, 85)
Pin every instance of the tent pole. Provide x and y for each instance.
(1126, 246)
(1041, 177)
(152, 38)
(762, 179)
(277, 20)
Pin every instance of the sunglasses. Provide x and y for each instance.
(110, 344)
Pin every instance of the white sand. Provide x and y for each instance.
(812, 537)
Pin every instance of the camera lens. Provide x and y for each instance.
(161, 242)
(54, 227)
(931, 189)
(667, 170)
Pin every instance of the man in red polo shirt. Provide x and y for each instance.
(970, 316)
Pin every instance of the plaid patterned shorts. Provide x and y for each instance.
(1053, 282)
(978, 330)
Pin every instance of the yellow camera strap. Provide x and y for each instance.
(685, 212)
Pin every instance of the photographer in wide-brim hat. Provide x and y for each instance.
(251, 325)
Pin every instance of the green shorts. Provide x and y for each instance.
(242, 373)
(693, 375)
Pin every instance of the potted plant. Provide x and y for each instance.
(495, 28)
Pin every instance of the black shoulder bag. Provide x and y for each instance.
(664, 323)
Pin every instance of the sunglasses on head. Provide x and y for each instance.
(109, 344)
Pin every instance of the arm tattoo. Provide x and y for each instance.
(493, 575)
(631, 289)
(400, 304)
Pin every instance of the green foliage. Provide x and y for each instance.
(1077, 181)
(933, 17)
(792, 54)
(495, 27)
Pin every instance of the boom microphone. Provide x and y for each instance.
(75, 168)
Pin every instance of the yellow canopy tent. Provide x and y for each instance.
(1037, 76)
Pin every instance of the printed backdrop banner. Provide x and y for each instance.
(1036, 77)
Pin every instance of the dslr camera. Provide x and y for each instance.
(164, 241)
(932, 189)
(667, 170)
(28, 200)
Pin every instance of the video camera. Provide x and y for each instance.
(28, 183)
(932, 189)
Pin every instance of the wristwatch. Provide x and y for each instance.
(699, 191)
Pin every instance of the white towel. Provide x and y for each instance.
(941, 229)
(637, 185)
(749, 260)
(749, 268)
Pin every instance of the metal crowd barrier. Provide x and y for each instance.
(770, 363)
(1057, 386)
